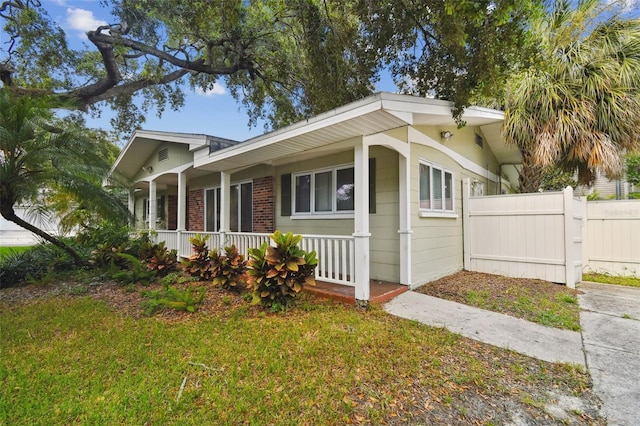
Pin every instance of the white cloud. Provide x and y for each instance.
(82, 20)
(217, 89)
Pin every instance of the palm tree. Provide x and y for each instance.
(36, 157)
(577, 107)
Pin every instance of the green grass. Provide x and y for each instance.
(75, 361)
(8, 250)
(611, 279)
(560, 310)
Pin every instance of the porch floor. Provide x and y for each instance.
(380, 291)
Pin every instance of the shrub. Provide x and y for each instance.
(199, 263)
(188, 299)
(32, 265)
(277, 274)
(161, 260)
(105, 255)
(229, 269)
(134, 273)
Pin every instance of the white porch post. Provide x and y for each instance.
(131, 205)
(225, 208)
(405, 219)
(361, 232)
(182, 201)
(153, 205)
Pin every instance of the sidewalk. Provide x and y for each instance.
(610, 321)
(545, 343)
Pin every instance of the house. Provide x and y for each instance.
(606, 189)
(406, 152)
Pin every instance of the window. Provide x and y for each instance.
(241, 208)
(436, 188)
(324, 191)
(479, 141)
(159, 209)
(212, 210)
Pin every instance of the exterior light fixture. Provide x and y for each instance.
(446, 135)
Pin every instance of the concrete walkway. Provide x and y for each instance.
(545, 343)
(610, 321)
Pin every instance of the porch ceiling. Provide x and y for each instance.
(375, 114)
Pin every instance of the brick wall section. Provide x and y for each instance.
(195, 208)
(263, 204)
(172, 212)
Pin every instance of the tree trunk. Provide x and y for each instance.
(531, 174)
(9, 214)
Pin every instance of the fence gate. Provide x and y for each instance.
(525, 235)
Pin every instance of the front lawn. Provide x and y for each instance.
(9, 250)
(70, 359)
(538, 301)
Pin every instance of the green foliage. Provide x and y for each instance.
(106, 256)
(556, 179)
(277, 274)
(32, 265)
(576, 107)
(633, 169)
(188, 299)
(199, 263)
(37, 155)
(229, 268)
(595, 195)
(135, 271)
(161, 260)
(461, 51)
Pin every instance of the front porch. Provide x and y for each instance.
(380, 291)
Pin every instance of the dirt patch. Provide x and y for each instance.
(534, 300)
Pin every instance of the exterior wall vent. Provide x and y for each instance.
(163, 154)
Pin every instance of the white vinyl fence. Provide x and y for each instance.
(613, 237)
(525, 235)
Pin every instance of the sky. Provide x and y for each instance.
(214, 112)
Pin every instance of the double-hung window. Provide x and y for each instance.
(241, 208)
(436, 189)
(327, 191)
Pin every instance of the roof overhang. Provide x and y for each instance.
(374, 114)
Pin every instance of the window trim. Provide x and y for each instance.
(432, 212)
(334, 213)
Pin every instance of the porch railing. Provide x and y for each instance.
(335, 257)
(336, 261)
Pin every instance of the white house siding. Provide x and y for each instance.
(437, 243)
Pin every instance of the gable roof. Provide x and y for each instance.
(145, 142)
